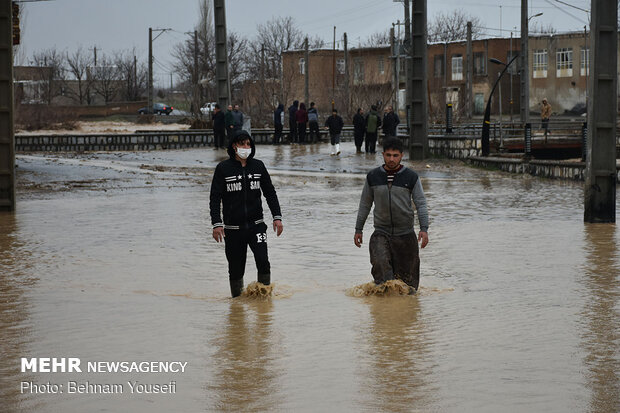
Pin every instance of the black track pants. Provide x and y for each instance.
(237, 242)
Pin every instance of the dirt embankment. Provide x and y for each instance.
(82, 127)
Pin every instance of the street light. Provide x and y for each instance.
(536, 15)
(486, 125)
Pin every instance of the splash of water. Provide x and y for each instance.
(388, 289)
(258, 290)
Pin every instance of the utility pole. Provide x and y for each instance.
(135, 76)
(347, 97)
(195, 100)
(418, 136)
(511, 71)
(600, 179)
(95, 55)
(408, 70)
(470, 71)
(394, 70)
(262, 79)
(221, 53)
(171, 86)
(334, 71)
(7, 138)
(307, 73)
(149, 104)
(525, 68)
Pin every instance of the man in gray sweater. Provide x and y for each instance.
(393, 245)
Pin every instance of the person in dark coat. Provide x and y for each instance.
(230, 123)
(359, 128)
(278, 123)
(292, 122)
(373, 122)
(390, 122)
(302, 120)
(313, 123)
(219, 127)
(334, 123)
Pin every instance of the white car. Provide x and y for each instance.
(207, 109)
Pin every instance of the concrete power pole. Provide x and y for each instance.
(470, 71)
(7, 138)
(149, 104)
(600, 179)
(525, 68)
(347, 96)
(418, 137)
(408, 70)
(221, 53)
(195, 88)
(394, 70)
(307, 73)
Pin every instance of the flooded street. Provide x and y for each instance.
(109, 257)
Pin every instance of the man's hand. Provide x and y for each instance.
(424, 237)
(357, 239)
(218, 234)
(278, 227)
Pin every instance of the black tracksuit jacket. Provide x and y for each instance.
(238, 189)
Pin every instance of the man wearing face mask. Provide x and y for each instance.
(238, 185)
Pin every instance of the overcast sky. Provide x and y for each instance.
(115, 25)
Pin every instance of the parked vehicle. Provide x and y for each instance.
(158, 109)
(207, 108)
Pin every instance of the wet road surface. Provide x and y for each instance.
(109, 257)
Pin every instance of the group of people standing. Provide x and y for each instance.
(226, 124)
(366, 128)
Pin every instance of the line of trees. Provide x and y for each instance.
(79, 78)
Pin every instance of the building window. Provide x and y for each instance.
(539, 64)
(480, 64)
(585, 61)
(358, 70)
(380, 65)
(302, 66)
(564, 62)
(457, 67)
(340, 66)
(513, 69)
(438, 66)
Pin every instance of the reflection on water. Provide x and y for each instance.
(601, 317)
(14, 311)
(399, 366)
(245, 378)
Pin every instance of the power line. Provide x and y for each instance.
(565, 12)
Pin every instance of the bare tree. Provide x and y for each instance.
(133, 76)
(77, 66)
(51, 73)
(450, 27)
(204, 47)
(380, 38)
(539, 28)
(106, 79)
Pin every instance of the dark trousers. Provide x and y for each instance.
(230, 132)
(395, 256)
(334, 138)
(301, 132)
(544, 124)
(371, 142)
(277, 135)
(237, 242)
(219, 138)
(314, 132)
(292, 136)
(359, 140)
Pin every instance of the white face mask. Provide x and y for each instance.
(243, 153)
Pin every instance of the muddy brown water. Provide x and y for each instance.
(109, 257)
